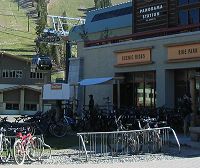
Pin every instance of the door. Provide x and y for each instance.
(197, 94)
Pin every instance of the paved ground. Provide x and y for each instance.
(189, 158)
(179, 163)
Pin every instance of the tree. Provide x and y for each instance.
(41, 24)
(64, 21)
(83, 34)
(42, 16)
(102, 3)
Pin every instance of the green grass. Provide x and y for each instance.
(74, 8)
(14, 34)
(54, 76)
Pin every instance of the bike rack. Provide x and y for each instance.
(95, 144)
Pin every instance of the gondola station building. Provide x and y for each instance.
(147, 53)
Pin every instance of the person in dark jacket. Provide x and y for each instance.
(91, 104)
(91, 111)
(187, 110)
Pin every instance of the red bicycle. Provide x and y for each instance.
(27, 145)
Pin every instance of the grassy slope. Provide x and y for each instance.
(73, 8)
(14, 35)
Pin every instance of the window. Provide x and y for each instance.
(144, 87)
(30, 107)
(36, 75)
(194, 16)
(190, 16)
(183, 17)
(183, 2)
(12, 106)
(193, 1)
(111, 14)
(11, 73)
(189, 12)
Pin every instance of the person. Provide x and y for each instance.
(91, 111)
(187, 105)
(91, 103)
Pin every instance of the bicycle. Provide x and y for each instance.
(43, 123)
(5, 146)
(60, 129)
(122, 141)
(27, 145)
(148, 137)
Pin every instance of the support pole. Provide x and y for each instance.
(118, 94)
(68, 55)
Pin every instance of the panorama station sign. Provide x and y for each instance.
(152, 14)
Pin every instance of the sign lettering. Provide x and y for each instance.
(56, 86)
(184, 52)
(134, 57)
(151, 12)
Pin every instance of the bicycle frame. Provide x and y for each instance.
(24, 146)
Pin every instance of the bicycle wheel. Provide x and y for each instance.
(133, 144)
(19, 152)
(60, 130)
(5, 150)
(79, 126)
(157, 143)
(154, 143)
(34, 149)
(117, 143)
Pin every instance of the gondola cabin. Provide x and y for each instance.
(41, 63)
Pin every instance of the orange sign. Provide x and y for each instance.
(134, 57)
(56, 86)
(190, 51)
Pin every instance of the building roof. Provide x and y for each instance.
(6, 87)
(114, 17)
(14, 56)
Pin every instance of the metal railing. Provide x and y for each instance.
(125, 143)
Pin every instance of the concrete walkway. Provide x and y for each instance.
(178, 163)
(186, 141)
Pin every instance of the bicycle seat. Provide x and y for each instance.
(4, 119)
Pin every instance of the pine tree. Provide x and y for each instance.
(41, 24)
(102, 3)
(65, 25)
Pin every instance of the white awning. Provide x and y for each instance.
(94, 81)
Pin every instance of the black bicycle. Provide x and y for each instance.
(122, 142)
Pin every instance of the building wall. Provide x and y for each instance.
(22, 97)
(100, 61)
(12, 63)
(12, 89)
